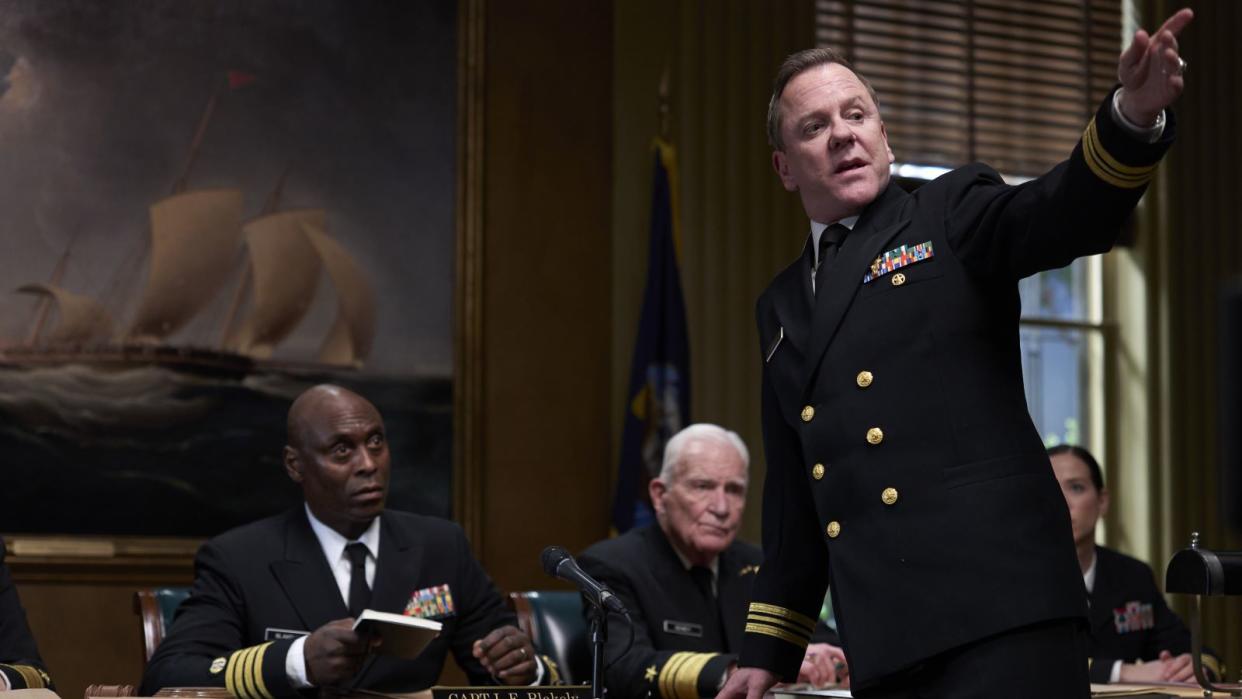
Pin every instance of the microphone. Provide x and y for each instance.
(559, 564)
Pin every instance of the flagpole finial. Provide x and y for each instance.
(663, 109)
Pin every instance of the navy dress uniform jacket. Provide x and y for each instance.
(19, 657)
(903, 466)
(680, 648)
(1129, 618)
(261, 585)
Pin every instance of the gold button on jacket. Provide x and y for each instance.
(889, 496)
(817, 471)
(875, 435)
(834, 528)
(864, 379)
(807, 413)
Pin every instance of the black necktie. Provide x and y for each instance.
(703, 580)
(359, 592)
(713, 627)
(829, 244)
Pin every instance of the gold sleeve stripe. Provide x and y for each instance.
(789, 614)
(30, 675)
(554, 672)
(247, 673)
(777, 632)
(243, 677)
(687, 680)
(1210, 662)
(1113, 164)
(1107, 168)
(777, 621)
(258, 671)
(679, 677)
(666, 674)
(233, 674)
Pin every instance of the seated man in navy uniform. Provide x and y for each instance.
(20, 665)
(273, 602)
(1135, 637)
(686, 579)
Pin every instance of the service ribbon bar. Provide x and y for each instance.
(898, 258)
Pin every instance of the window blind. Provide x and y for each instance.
(1008, 82)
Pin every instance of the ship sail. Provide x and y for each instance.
(194, 239)
(349, 341)
(285, 269)
(82, 318)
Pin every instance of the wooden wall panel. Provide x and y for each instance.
(546, 291)
(80, 610)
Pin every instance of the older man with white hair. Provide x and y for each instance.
(687, 579)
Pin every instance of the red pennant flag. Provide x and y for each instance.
(239, 79)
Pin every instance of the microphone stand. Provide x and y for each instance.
(599, 634)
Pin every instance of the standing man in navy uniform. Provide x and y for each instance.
(903, 466)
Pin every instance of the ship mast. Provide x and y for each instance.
(45, 303)
(243, 285)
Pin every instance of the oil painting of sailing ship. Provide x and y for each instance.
(152, 335)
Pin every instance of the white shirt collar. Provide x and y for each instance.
(1088, 578)
(817, 229)
(333, 543)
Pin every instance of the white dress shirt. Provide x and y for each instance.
(333, 545)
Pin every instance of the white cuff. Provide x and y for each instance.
(538, 671)
(295, 664)
(1115, 676)
(1146, 134)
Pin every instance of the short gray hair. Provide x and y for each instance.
(795, 65)
(699, 432)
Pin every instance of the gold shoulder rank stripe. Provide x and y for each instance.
(785, 613)
(777, 632)
(1108, 168)
(679, 678)
(243, 677)
(791, 626)
(32, 676)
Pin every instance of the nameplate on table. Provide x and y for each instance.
(565, 691)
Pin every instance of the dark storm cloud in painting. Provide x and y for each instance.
(99, 102)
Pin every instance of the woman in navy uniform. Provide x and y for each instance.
(1135, 637)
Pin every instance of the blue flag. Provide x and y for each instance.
(658, 401)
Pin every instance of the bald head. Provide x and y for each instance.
(338, 452)
(313, 405)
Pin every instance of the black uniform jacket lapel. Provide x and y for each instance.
(879, 224)
(793, 299)
(305, 576)
(734, 596)
(678, 585)
(396, 568)
(1100, 614)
